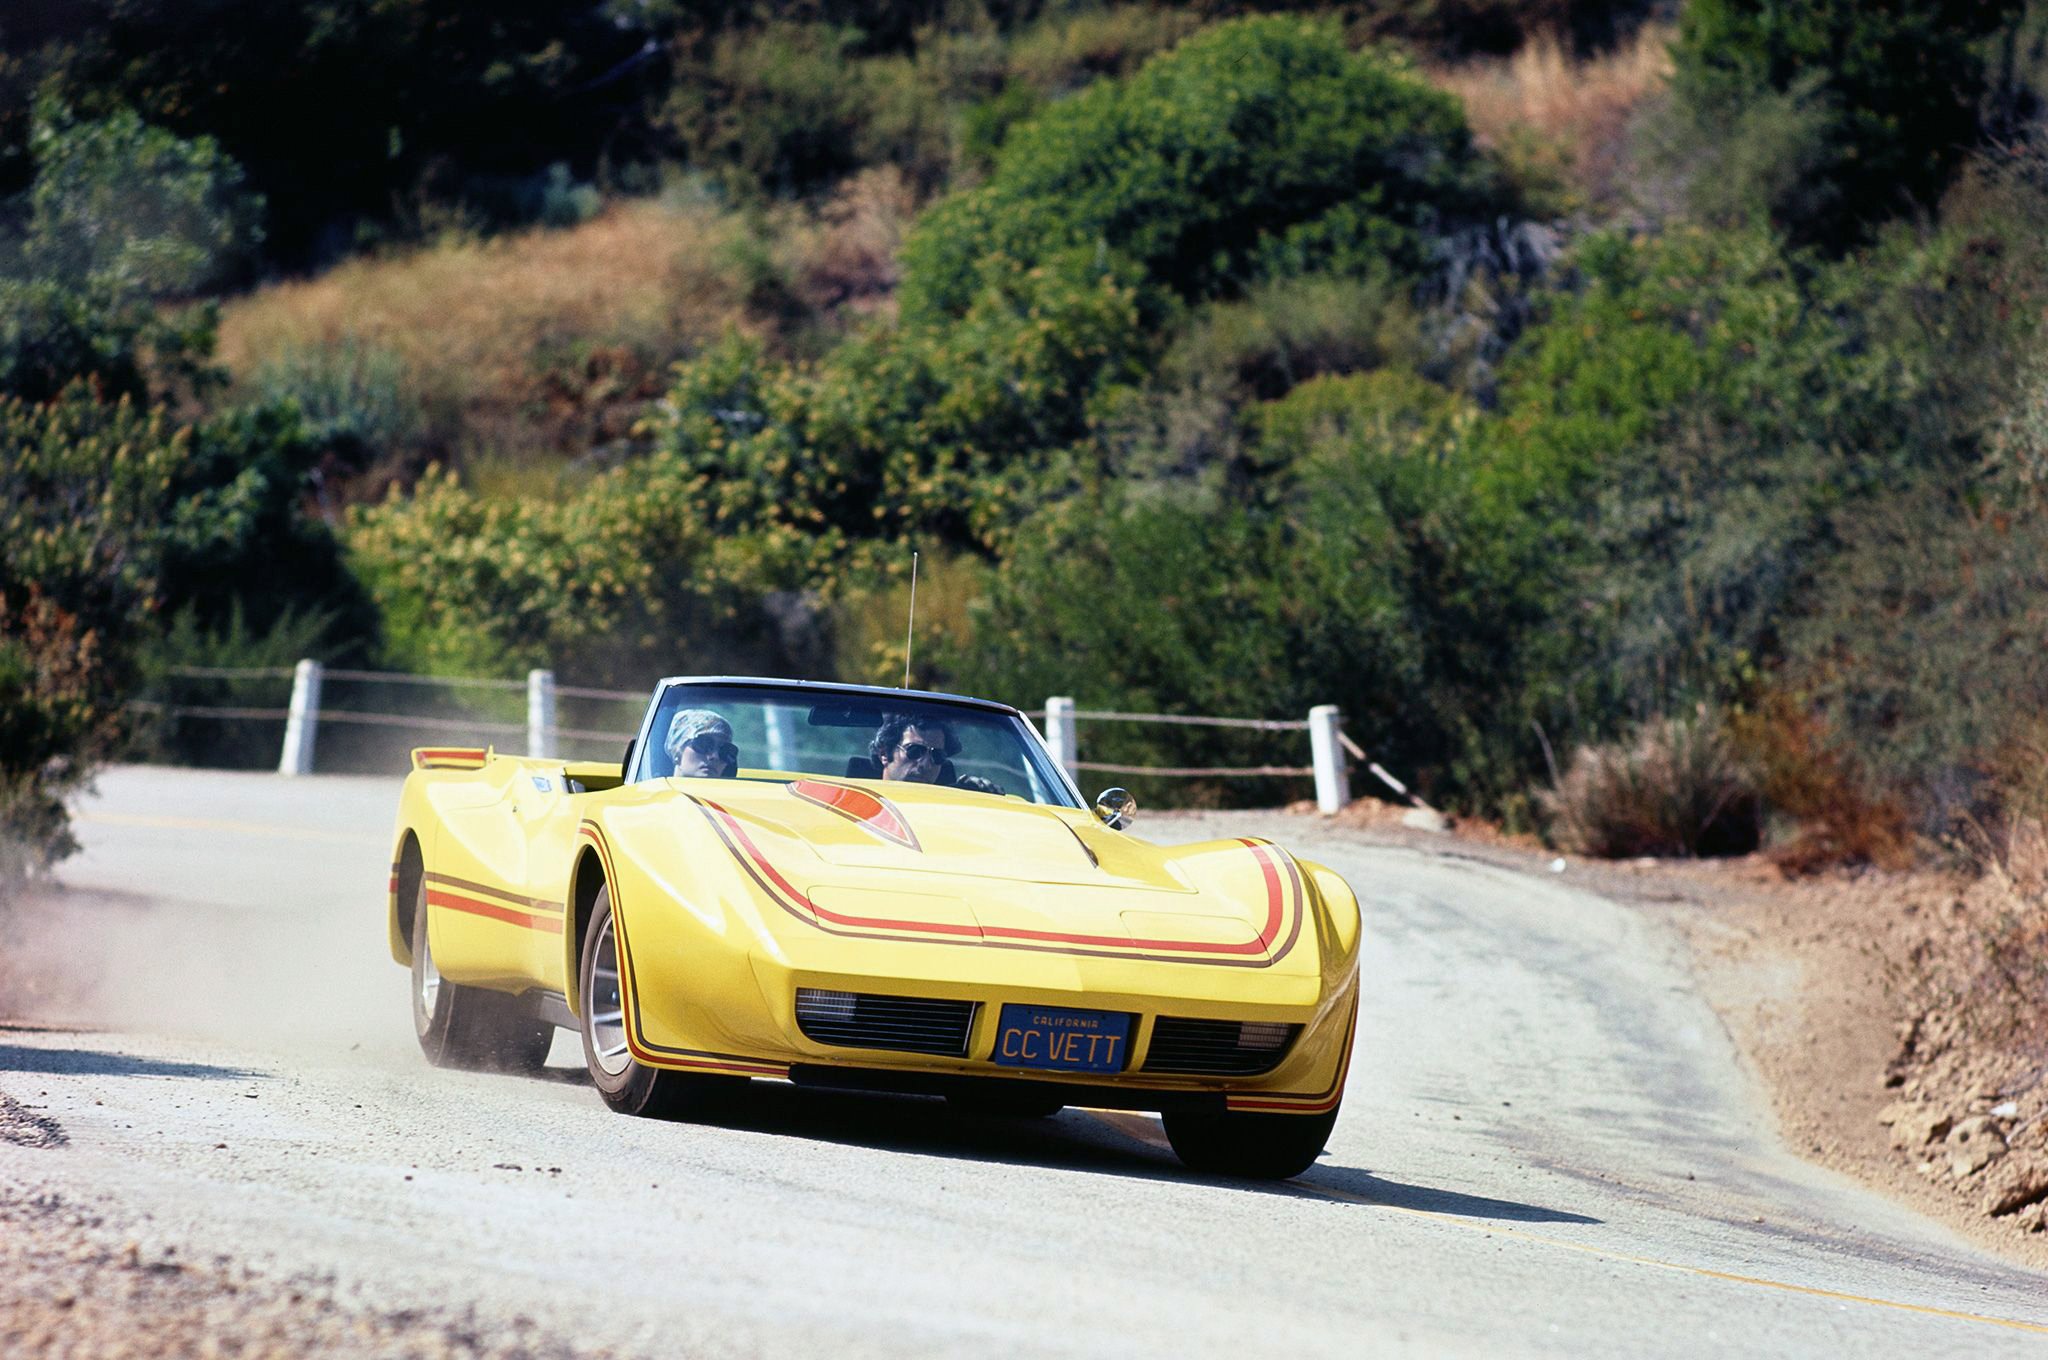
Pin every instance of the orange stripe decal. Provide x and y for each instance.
(1280, 893)
(496, 911)
(869, 810)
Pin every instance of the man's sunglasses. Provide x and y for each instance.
(714, 748)
(914, 751)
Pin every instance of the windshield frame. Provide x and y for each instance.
(1049, 770)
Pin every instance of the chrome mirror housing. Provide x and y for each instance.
(1116, 808)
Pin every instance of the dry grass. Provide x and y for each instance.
(843, 255)
(1569, 116)
(1678, 789)
(1809, 780)
(541, 343)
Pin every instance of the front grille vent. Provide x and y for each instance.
(904, 1024)
(1218, 1048)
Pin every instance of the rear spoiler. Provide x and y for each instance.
(451, 757)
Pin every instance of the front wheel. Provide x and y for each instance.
(469, 1027)
(628, 1085)
(1267, 1147)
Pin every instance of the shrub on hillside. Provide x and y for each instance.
(1257, 147)
(342, 109)
(778, 107)
(133, 208)
(625, 577)
(1290, 330)
(1677, 788)
(1822, 809)
(1684, 427)
(85, 490)
(122, 219)
(1359, 569)
(56, 720)
(907, 430)
(1065, 51)
(1914, 639)
(1885, 100)
(356, 398)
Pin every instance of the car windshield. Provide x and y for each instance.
(780, 731)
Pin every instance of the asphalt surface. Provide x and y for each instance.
(1548, 1145)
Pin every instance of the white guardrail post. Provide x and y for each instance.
(540, 714)
(302, 720)
(1060, 734)
(1326, 745)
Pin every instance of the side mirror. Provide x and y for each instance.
(1116, 808)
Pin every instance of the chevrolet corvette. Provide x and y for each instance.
(872, 889)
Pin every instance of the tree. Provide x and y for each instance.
(1883, 96)
(122, 219)
(1256, 148)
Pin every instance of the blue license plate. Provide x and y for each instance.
(1061, 1039)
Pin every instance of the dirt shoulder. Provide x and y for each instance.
(71, 1286)
(1876, 1009)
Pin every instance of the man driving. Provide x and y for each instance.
(700, 743)
(919, 750)
(913, 749)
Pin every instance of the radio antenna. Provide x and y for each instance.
(910, 629)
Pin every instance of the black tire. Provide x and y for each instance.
(628, 1085)
(468, 1027)
(1266, 1147)
(1019, 1101)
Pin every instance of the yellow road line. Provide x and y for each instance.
(1146, 1130)
(274, 829)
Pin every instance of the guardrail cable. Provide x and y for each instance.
(401, 678)
(1358, 753)
(1171, 772)
(1175, 719)
(230, 672)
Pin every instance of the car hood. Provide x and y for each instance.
(923, 829)
(915, 859)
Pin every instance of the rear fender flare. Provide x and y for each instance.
(585, 879)
(408, 865)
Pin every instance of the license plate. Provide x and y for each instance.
(1061, 1039)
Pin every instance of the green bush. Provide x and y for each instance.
(85, 489)
(56, 720)
(159, 732)
(1256, 147)
(348, 112)
(355, 398)
(627, 577)
(1365, 572)
(136, 209)
(1290, 330)
(906, 431)
(779, 105)
(122, 218)
(1884, 99)
(1682, 430)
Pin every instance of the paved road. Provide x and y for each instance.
(1548, 1146)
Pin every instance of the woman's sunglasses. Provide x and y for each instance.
(714, 748)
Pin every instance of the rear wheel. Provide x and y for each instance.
(628, 1085)
(469, 1027)
(1256, 1146)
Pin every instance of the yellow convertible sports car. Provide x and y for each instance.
(876, 889)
